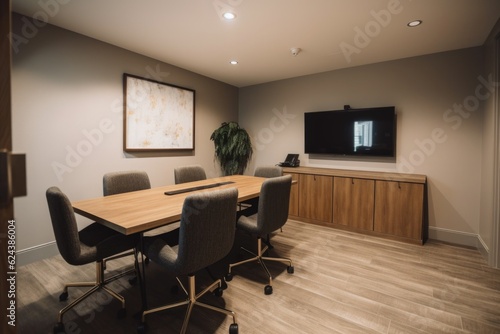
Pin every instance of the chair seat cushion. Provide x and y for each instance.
(248, 224)
(99, 242)
(159, 251)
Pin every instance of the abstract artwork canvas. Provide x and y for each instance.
(157, 116)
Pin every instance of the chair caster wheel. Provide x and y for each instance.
(268, 290)
(289, 269)
(63, 296)
(218, 292)
(133, 281)
(122, 313)
(142, 328)
(229, 277)
(233, 329)
(59, 328)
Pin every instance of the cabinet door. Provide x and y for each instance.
(353, 202)
(399, 208)
(294, 195)
(315, 197)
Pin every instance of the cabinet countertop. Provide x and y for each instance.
(361, 174)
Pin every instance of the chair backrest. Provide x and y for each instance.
(189, 173)
(64, 225)
(274, 200)
(207, 229)
(268, 171)
(124, 181)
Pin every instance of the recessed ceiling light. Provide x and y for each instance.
(414, 23)
(229, 16)
(233, 62)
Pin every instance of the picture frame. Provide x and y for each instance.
(157, 116)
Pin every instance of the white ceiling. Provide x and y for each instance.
(192, 34)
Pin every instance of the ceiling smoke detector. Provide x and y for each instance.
(295, 51)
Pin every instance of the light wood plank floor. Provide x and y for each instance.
(343, 283)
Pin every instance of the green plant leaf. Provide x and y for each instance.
(233, 148)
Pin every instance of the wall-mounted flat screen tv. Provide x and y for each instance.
(351, 132)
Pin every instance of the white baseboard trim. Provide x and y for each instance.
(461, 239)
(454, 237)
(483, 248)
(36, 253)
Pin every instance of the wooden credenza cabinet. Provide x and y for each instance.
(392, 205)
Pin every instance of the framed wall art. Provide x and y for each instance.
(157, 116)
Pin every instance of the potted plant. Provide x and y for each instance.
(233, 148)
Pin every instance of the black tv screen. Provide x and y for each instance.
(353, 132)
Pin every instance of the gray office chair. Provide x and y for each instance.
(123, 182)
(249, 207)
(94, 243)
(272, 214)
(206, 236)
(189, 174)
(268, 171)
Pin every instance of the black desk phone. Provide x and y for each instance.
(292, 160)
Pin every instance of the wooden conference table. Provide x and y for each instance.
(143, 210)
